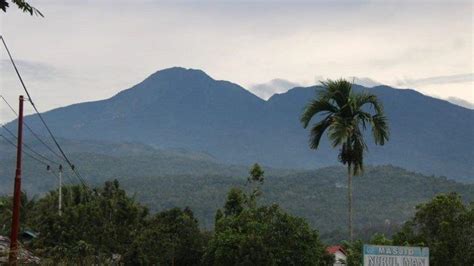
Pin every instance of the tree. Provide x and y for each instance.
(354, 248)
(235, 202)
(22, 5)
(26, 212)
(445, 225)
(94, 223)
(265, 236)
(344, 114)
(246, 234)
(255, 181)
(170, 238)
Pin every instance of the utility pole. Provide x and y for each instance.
(60, 188)
(13, 256)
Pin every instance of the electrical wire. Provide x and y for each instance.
(23, 151)
(34, 158)
(29, 148)
(30, 99)
(31, 130)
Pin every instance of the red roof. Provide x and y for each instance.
(334, 249)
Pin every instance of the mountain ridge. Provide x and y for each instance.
(186, 108)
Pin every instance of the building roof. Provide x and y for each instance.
(334, 249)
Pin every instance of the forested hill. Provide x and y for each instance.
(187, 109)
(384, 196)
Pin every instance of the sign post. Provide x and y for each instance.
(375, 255)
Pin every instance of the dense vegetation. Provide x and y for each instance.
(444, 224)
(104, 225)
(247, 234)
(384, 197)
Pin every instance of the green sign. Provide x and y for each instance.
(375, 255)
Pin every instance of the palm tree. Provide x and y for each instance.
(345, 115)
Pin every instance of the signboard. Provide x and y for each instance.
(395, 256)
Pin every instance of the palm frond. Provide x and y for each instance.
(368, 98)
(347, 120)
(315, 107)
(25, 7)
(337, 91)
(339, 130)
(380, 129)
(317, 132)
(363, 118)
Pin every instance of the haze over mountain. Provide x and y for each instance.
(185, 108)
(278, 85)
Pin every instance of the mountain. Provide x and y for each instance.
(102, 161)
(383, 195)
(181, 108)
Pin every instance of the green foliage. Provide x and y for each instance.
(386, 196)
(262, 236)
(445, 225)
(256, 174)
(236, 200)
(22, 5)
(169, 238)
(105, 226)
(354, 249)
(93, 222)
(255, 181)
(353, 252)
(26, 213)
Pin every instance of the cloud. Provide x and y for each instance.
(266, 90)
(35, 70)
(275, 86)
(461, 102)
(364, 81)
(459, 78)
(246, 42)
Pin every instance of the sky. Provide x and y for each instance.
(90, 50)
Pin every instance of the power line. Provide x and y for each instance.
(24, 152)
(32, 156)
(39, 139)
(64, 174)
(41, 117)
(29, 148)
(31, 130)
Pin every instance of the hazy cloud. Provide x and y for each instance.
(364, 81)
(460, 78)
(461, 102)
(33, 70)
(274, 86)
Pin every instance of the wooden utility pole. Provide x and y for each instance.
(60, 190)
(13, 256)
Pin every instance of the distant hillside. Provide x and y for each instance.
(385, 196)
(101, 161)
(180, 108)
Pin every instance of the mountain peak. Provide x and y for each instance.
(180, 73)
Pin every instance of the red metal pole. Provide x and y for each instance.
(17, 192)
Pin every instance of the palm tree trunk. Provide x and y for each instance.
(349, 195)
